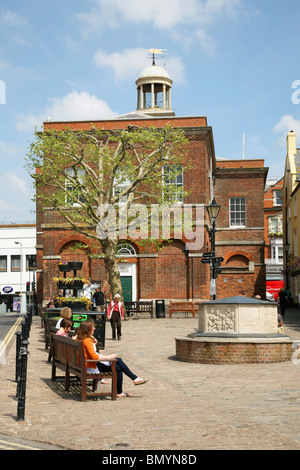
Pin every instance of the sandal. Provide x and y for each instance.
(123, 394)
(140, 381)
(103, 381)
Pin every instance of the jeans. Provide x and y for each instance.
(121, 368)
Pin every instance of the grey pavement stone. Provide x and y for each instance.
(184, 406)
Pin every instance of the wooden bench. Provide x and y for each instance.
(140, 306)
(68, 355)
(49, 326)
(185, 307)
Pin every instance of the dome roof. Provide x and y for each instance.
(154, 71)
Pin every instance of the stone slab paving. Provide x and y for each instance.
(184, 406)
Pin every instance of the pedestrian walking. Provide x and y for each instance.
(115, 315)
(282, 300)
(99, 300)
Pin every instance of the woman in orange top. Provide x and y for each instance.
(102, 362)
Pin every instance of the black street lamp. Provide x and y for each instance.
(213, 211)
(286, 249)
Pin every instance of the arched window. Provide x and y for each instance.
(125, 249)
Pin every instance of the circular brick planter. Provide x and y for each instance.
(212, 350)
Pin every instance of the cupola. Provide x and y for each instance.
(154, 90)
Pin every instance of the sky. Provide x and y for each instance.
(234, 61)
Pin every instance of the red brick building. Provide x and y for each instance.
(273, 236)
(175, 272)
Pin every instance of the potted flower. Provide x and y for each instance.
(71, 282)
(75, 303)
(64, 267)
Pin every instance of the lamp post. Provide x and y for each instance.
(213, 210)
(21, 264)
(21, 273)
(286, 249)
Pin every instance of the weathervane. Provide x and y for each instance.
(154, 51)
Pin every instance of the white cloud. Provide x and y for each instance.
(13, 203)
(12, 180)
(72, 107)
(9, 151)
(286, 124)
(13, 19)
(125, 65)
(129, 63)
(192, 16)
(166, 14)
(6, 207)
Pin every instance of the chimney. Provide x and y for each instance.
(291, 143)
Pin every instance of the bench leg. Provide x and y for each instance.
(67, 379)
(83, 389)
(53, 374)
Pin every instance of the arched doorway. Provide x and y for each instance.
(127, 268)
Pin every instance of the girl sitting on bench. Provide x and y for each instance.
(102, 362)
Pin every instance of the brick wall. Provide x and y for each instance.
(197, 351)
(172, 274)
(241, 248)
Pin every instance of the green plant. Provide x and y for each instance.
(70, 280)
(60, 300)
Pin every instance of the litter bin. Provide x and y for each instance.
(99, 321)
(99, 332)
(160, 308)
(53, 312)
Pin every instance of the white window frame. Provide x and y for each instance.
(233, 200)
(122, 183)
(68, 185)
(15, 263)
(3, 264)
(178, 198)
(277, 197)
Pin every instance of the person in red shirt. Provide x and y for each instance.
(115, 315)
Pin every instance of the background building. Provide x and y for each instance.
(239, 189)
(175, 272)
(291, 213)
(273, 236)
(17, 264)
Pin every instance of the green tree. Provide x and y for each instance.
(89, 176)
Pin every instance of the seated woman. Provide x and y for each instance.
(66, 313)
(102, 362)
(65, 326)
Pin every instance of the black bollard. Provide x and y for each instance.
(29, 315)
(27, 325)
(18, 349)
(22, 387)
(23, 330)
(23, 346)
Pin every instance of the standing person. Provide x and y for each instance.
(99, 300)
(282, 300)
(102, 362)
(116, 315)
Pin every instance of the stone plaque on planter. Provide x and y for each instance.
(237, 315)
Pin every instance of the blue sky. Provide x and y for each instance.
(234, 61)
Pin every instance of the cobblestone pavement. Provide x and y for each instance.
(184, 406)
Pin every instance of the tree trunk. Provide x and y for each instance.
(110, 261)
